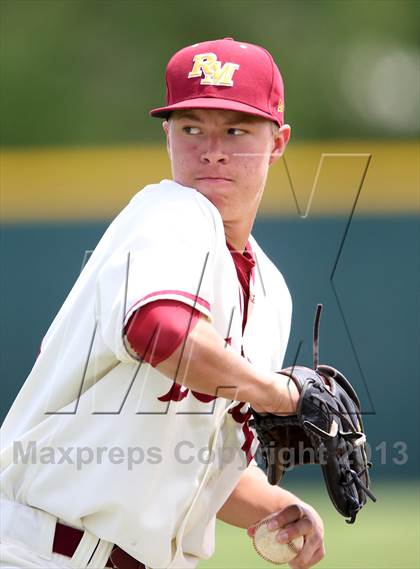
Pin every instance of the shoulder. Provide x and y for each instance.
(171, 201)
(171, 213)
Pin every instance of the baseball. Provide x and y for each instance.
(266, 545)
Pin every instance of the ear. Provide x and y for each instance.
(280, 142)
(166, 128)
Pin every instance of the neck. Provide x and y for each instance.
(237, 234)
(238, 227)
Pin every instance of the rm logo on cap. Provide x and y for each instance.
(214, 72)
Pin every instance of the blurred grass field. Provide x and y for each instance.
(385, 536)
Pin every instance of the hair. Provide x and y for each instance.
(275, 128)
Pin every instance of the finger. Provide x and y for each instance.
(302, 527)
(318, 555)
(308, 558)
(251, 531)
(287, 516)
(270, 520)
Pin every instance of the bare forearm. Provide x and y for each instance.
(204, 363)
(253, 499)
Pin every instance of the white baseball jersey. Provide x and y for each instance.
(106, 443)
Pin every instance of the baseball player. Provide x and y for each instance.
(130, 435)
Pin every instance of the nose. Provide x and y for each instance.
(213, 152)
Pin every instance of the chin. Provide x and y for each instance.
(218, 189)
(217, 198)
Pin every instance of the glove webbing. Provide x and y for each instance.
(352, 477)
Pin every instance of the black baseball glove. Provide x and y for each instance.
(327, 429)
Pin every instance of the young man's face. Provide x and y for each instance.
(225, 155)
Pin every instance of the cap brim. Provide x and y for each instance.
(211, 103)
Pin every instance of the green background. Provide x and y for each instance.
(88, 71)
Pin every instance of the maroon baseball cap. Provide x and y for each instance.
(224, 74)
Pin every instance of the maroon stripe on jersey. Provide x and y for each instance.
(158, 293)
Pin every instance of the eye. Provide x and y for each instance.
(191, 129)
(236, 131)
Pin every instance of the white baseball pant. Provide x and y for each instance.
(26, 538)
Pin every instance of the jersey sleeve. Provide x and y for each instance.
(167, 252)
(156, 330)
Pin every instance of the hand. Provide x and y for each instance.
(299, 520)
(281, 397)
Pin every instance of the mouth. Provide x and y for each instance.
(215, 179)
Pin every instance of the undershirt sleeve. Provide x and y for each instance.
(157, 329)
